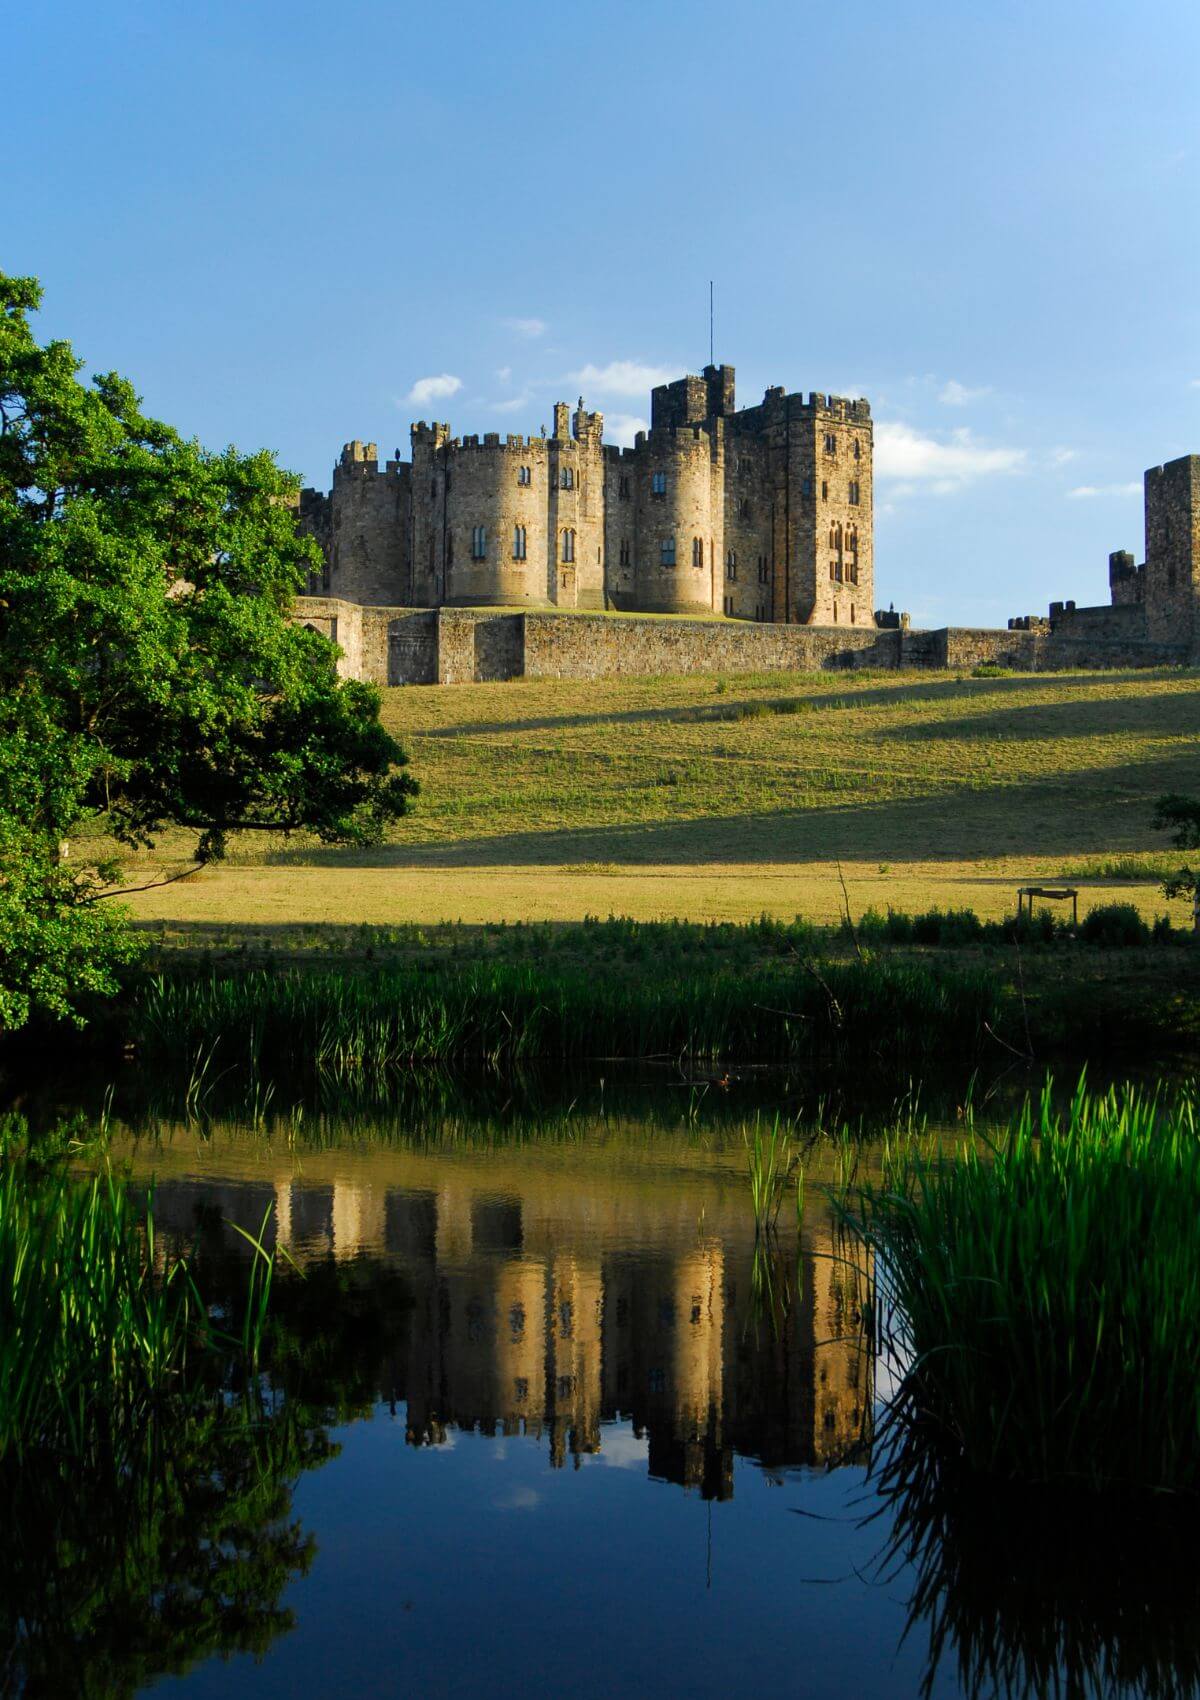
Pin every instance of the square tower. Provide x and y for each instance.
(1172, 593)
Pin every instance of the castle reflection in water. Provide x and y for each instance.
(549, 1322)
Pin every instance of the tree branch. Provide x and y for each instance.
(151, 885)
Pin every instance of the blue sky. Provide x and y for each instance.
(278, 220)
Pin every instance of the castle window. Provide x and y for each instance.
(524, 475)
(658, 484)
(518, 542)
(566, 478)
(858, 448)
(568, 546)
(824, 489)
(835, 618)
(697, 551)
(521, 1389)
(806, 486)
(852, 621)
(729, 605)
(830, 443)
(624, 551)
(478, 543)
(667, 551)
(855, 493)
(731, 564)
(745, 508)
(623, 486)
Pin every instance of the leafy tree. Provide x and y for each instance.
(150, 675)
(1180, 816)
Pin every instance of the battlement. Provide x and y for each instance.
(359, 460)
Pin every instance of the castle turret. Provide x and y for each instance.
(1172, 592)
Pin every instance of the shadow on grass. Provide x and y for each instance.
(1107, 810)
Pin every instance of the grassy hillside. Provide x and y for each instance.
(726, 798)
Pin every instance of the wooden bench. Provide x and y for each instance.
(1052, 894)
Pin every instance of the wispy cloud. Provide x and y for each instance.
(1082, 492)
(512, 404)
(434, 389)
(504, 374)
(530, 329)
(954, 394)
(622, 428)
(622, 377)
(1060, 457)
(940, 466)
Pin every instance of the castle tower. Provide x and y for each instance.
(1172, 573)
(762, 514)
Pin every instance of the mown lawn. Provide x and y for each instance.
(726, 798)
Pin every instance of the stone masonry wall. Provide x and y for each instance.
(395, 646)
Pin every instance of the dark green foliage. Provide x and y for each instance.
(144, 1484)
(150, 674)
(1115, 925)
(317, 1025)
(1042, 1298)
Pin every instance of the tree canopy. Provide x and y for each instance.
(150, 673)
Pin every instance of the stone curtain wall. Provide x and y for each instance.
(405, 646)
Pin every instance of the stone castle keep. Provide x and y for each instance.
(761, 515)
(750, 519)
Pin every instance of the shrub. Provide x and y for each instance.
(1114, 925)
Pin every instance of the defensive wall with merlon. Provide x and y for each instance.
(453, 646)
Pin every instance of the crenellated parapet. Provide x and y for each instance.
(710, 511)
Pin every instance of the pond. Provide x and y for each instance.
(571, 1427)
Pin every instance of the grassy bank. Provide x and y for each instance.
(1041, 1298)
(719, 799)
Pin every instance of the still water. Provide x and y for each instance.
(582, 1434)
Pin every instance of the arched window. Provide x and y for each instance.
(697, 551)
(518, 542)
(568, 546)
(566, 478)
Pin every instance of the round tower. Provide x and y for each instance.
(496, 536)
(677, 540)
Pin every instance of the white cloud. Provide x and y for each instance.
(1060, 457)
(622, 377)
(504, 374)
(531, 329)
(954, 394)
(434, 389)
(1082, 491)
(513, 404)
(622, 428)
(943, 466)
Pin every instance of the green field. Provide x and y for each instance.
(725, 799)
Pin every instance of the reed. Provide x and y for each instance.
(1042, 1295)
(100, 1335)
(337, 1028)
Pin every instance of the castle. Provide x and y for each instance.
(1157, 602)
(456, 565)
(762, 514)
